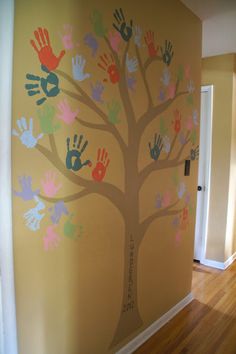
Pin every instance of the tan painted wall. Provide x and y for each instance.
(81, 295)
(218, 71)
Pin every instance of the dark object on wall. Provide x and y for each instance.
(187, 168)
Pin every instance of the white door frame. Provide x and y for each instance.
(8, 320)
(205, 168)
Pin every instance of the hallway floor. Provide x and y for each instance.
(208, 324)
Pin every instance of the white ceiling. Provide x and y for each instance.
(218, 25)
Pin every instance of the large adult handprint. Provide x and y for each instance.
(44, 49)
(121, 25)
(46, 116)
(26, 192)
(100, 169)
(78, 64)
(73, 157)
(49, 85)
(25, 133)
(155, 151)
(33, 217)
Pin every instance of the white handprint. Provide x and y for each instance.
(78, 64)
(33, 217)
(25, 133)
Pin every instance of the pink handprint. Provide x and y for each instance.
(171, 91)
(51, 239)
(115, 40)
(66, 114)
(66, 37)
(49, 185)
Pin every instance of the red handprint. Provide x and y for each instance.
(99, 171)
(149, 40)
(177, 121)
(45, 53)
(184, 219)
(107, 64)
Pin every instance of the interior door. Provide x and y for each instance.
(203, 193)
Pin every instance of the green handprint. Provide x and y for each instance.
(114, 108)
(97, 22)
(180, 73)
(46, 116)
(193, 137)
(189, 99)
(163, 129)
(70, 229)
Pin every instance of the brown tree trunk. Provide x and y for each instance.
(130, 319)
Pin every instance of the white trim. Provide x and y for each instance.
(219, 265)
(6, 242)
(209, 90)
(148, 332)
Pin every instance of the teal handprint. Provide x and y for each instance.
(25, 133)
(46, 116)
(114, 108)
(48, 85)
(73, 157)
(167, 53)
(155, 151)
(121, 26)
(97, 22)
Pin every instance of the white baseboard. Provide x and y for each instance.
(148, 332)
(219, 265)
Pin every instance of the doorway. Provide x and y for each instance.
(204, 172)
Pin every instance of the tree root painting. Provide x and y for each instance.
(118, 65)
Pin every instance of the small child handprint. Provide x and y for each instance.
(50, 187)
(97, 91)
(78, 64)
(103, 161)
(167, 53)
(25, 133)
(177, 121)
(107, 64)
(51, 239)
(26, 189)
(92, 43)
(150, 42)
(114, 108)
(155, 151)
(33, 217)
(49, 85)
(73, 157)
(66, 114)
(46, 116)
(57, 211)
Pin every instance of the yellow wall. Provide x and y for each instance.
(218, 71)
(91, 294)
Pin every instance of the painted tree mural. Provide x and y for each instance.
(129, 51)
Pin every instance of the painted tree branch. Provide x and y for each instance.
(158, 214)
(67, 199)
(151, 60)
(143, 74)
(107, 190)
(155, 111)
(172, 146)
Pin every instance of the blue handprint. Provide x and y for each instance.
(25, 133)
(78, 64)
(131, 83)
(49, 85)
(155, 151)
(57, 211)
(26, 188)
(131, 63)
(33, 217)
(91, 42)
(97, 91)
(73, 157)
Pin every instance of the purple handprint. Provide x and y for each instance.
(26, 186)
(97, 91)
(57, 211)
(159, 201)
(131, 83)
(91, 42)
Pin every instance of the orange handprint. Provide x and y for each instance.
(177, 121)
(45, 53)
